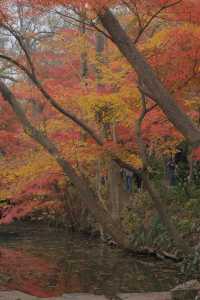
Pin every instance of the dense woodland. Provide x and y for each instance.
(100, 119)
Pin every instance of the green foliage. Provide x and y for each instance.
(193, 205)
(157, 234)
(191, 265)
(4, 202)
(185, 225)
(131, 221)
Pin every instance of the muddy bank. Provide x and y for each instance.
(14, 295)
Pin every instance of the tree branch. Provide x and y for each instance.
(154, 194)
(158, 92)
(80, 183)
(155, 15)
(20, 40)
(54, 103)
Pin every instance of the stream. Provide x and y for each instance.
(46, 262)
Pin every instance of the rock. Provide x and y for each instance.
(192, 284)
(184, 294)
(197, 297)
(186, 291)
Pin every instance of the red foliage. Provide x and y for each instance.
(12, 212)
(29, 274)
(174, 61)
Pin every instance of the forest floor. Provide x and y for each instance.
(14, 295)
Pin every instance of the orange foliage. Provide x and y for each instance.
(172, 48)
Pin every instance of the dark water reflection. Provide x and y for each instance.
(43, 262)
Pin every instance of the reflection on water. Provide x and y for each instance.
(46, 263)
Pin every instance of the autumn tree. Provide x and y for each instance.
(149, 84)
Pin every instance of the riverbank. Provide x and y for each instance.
(14, 295)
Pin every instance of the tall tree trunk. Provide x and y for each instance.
(82, 185)
(84, 55)
(117, 197)
(157, 199)
(153, 85)
(100, 47)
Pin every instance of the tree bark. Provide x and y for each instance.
(84, 55)
(157, 199)
(145, 72)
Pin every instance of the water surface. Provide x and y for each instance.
(46, 262)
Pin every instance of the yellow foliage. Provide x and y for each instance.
(16, 173)
(135, 161)
(157, 40)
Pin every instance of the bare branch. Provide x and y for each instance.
(20, 40)
(194, 74)
(155, 15)
(89, 23)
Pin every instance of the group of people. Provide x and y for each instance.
(132, 179)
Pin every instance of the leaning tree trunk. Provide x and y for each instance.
(153, 85)
(155, 89)
(157, 199)
(81, 184)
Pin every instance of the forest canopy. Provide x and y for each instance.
(100, 113)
